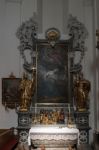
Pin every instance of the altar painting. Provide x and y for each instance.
(52, 74)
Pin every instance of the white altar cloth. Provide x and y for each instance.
(52, 133)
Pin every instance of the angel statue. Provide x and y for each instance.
(81, 92)
(27, 88)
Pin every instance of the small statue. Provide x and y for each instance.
(70, 147)
(61, 117)
(42, 147)
(81, 91)
(27, 87)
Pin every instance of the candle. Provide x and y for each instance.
(69, 108)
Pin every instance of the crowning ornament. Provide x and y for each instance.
(52, 35)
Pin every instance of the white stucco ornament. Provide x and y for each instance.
(78, 31)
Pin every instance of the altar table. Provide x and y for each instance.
(53, 136)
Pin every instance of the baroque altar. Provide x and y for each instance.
(56, 79)
(53, 136)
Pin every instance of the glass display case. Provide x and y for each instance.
(53, 114)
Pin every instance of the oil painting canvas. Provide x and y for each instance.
(52, 74)
(10, 92)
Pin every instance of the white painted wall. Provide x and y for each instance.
(12, 14)
(96, 12)
(50, 13)
(9, 57)
(84, 10)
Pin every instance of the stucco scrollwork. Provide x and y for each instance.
(79, 33)
(27, 33)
